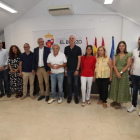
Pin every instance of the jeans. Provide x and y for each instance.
(4, 76)
(135, 84)
(102, 84)
(71, 77)
(54, 79)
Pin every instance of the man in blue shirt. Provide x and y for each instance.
(26, 66)
(4, 71)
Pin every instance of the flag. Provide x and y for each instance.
(103, 43)
(95, 47)
(112, 49)
(86, 41)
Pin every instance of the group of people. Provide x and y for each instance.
(24, 66)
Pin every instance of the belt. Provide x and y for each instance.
(42, 67)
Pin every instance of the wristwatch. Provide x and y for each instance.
(121, 72)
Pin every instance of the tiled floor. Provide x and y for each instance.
(36, 120)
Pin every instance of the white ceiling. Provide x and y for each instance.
(128, 8)
(22, 6)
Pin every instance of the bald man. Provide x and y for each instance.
(73, 54)
(135, 75)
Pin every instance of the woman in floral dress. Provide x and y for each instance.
(16, 83)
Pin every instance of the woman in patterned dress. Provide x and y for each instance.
(119, 89)
(16, 82)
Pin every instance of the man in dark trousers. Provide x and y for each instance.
(40, 67)
(73, 54)
(135, 76)
(4, 71)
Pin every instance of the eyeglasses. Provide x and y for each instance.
(26, 47)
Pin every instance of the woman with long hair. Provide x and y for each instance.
(103, 74)
(88, 62)
(16, 83)
(119, 89)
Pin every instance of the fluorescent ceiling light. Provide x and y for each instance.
(108, 1)
(5, 7)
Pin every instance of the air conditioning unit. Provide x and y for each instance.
(61, 10)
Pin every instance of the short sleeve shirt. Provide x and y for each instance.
(27, 61)
(60, 59)
(72, 56)
(136, 66)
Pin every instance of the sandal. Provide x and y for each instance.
(88, 102)
(104, 105)
(100, 102)
(83, 104)
(118, 106)
(113, 104)
(20, 94)
(17, 95)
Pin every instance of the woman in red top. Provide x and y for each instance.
(88, 62)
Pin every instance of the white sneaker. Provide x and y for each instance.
(131, 109)
(60, 100)
(51, 100)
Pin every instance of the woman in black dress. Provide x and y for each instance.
(16, 83)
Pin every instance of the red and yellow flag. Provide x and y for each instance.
(95, 47)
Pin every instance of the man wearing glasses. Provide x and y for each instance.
(26, 66)
(40, 67)
(135, 74)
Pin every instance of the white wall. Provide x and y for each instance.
(2, 38)
(38, 18)
(131, 32)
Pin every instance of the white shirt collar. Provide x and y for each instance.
(57, 54)
(42, 48)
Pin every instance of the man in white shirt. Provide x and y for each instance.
(135, 74)
(4, 71)
(56, 61)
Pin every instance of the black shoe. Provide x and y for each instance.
(69, 100)
(41, 97)
(8, 95)
(1, 95)
(47, 98)
(76, 100)
(20, 95)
